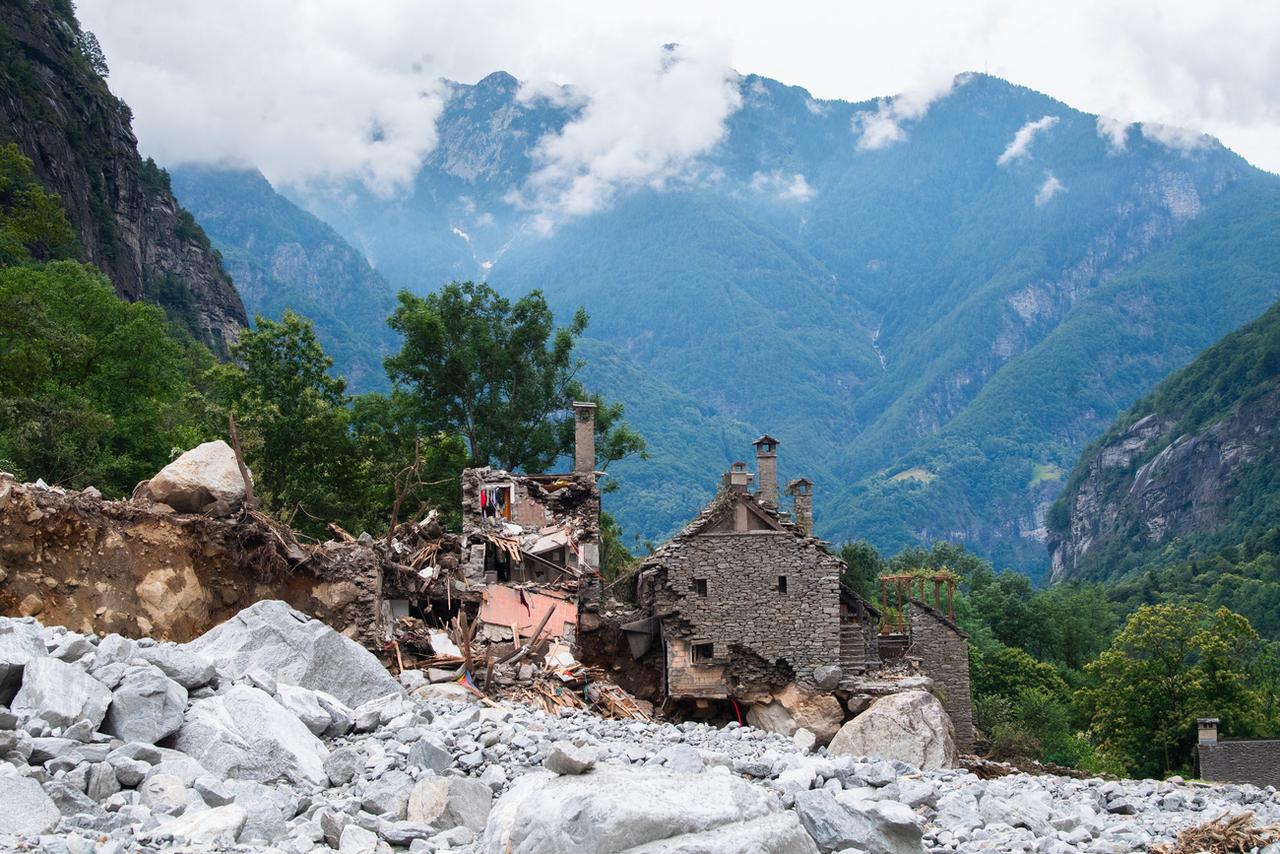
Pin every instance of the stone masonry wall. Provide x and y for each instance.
(743, 607)
(944, 656)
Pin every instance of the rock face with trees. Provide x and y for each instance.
(60, 114)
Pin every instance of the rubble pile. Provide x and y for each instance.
(273, 732)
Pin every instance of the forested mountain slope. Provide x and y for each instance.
(55, 105)
(1191, 469)
(933, 327)
(282, 257)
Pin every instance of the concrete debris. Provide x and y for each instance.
(466, 775)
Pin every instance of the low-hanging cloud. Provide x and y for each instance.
(883, 126)
(794, 187)
(1180, 139)
(645, 127)
(1115, 132)
(1050, 188)
(1020, 145)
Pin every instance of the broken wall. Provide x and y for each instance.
(943, 651)
(72, 559)
(743, 614)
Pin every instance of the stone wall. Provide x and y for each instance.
(752, 625)
(1254, 761)
(943, 651)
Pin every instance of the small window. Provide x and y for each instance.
(782, 584)
(700, 586)
(704, 651)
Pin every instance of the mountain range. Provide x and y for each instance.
(933, 324)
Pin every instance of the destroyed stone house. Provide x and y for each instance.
(745, 601)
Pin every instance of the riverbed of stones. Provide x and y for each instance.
(274, 733)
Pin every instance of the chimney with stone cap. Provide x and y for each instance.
(801, 492)
(767, 470)
(1207, 730)
(584, 437)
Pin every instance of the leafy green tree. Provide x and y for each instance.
(93, 390)
(386, 442)
(295, 422)
(32, 224)
(498, 373)
(1169, 665)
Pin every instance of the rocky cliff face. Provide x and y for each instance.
(62, 116)
(282, 257)
(1185, 463)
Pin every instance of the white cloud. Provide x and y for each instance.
(783, 186)
(1115, 132)
(883, 126)
(1050, 188)
(296, 86)
(1020, 145)
(1180, 139)
(644, 127)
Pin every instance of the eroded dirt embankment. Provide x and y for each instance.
(73, 559)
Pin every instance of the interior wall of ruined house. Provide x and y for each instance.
(743, 609)
(944, 656)
(73, 559)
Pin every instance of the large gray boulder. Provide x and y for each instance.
(836, 822)
(910, 726)
(25, 808)
(204, 475)
(61, 694)
(188, 669)
(20, 641)
(245, 734)
(448, 802)
(296, 650)
(145, 707)
(639, 809)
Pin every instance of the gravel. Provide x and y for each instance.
(299, 771)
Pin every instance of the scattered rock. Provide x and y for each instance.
(568, 759)
(216, 826)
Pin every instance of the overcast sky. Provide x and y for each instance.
(297, 87)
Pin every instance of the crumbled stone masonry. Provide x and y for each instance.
(943, 651)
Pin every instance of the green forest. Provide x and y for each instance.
(1085, 675)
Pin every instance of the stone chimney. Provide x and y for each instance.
(1208, 729)
(737, 479)
(801, 492)
(584, 437)
(767, 470)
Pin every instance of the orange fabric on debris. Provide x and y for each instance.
(501, 606)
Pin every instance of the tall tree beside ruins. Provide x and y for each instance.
(499, 373)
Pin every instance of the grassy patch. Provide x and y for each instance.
(1044, 473)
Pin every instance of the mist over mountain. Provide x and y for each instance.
(933, 303)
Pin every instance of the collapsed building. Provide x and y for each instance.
(745, 602)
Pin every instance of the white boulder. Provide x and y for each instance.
(245, 734)
(145, 707)
(61, 694)
(296, 650)
(910, 726)
(641, 809)
(203, 475)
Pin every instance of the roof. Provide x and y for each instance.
(849, 596)
(765, 438)
(711, 513)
